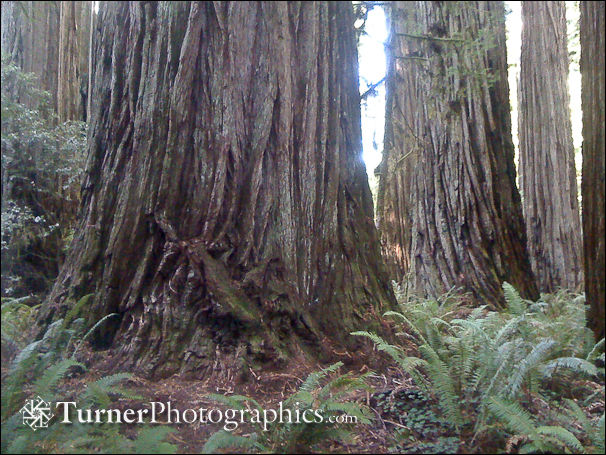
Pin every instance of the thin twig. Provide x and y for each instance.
(371, 88)
(396, 424)
(431, 38)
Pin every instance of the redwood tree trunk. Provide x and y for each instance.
(460, 217)
(68, 99)
(227, 212)
(394, 205)
(73, 60)
(50, 39)
(30, 39)
(592, 73)
(547, 169)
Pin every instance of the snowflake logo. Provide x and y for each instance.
(36, 413)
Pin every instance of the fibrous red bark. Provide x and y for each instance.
(50, 40)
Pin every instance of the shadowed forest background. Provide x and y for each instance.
(187, 216)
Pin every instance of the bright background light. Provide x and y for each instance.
(371, 54)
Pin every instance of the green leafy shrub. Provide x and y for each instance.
(18, 315)
(42, 164)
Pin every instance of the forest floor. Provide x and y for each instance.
(268, 388)
(391, 396)
(403, 418)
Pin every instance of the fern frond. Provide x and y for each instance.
(531, 361)
(342, 385)
(395, 352)
(515, 304)
(400, 316)
(313, 380)
(352, 409)
(152, 440)
(76, 309)
(52, 376)
(562, 435)
(512, 415)
(224, 440)
(571, 363)
(505, 354)
(92, 329)
(25, 354)
(576, 412)
(531, 447)
(595, 351)
(508, 328)
(99, 391)
(474, 327)
(303, 397)
(443, 384)
(412, 366)
(107, 381)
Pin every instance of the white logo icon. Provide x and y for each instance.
(36, 413)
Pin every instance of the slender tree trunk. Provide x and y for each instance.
(84, 24)
(69, 100)
(450, 157)
(394, 205)
(227, 213)
(547, 169)
(592, 73)
(30, 39)
(90, 61)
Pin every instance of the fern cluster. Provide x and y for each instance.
(486, 364)
(328, 399)
(536, 438)
(37, 370)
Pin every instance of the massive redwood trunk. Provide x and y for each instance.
(450, 209)
(547, 169)
(594, 220)
(226, 210)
